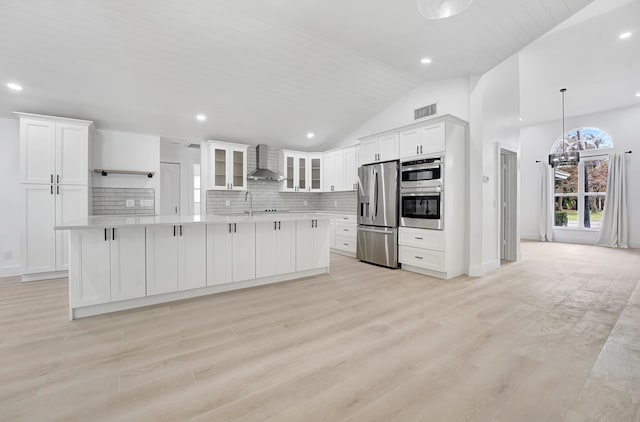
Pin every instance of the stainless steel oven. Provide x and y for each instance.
(422, 208)
(423, 173)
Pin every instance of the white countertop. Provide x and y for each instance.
(109, 221)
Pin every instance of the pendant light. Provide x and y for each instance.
(440, 9)
(564, 158)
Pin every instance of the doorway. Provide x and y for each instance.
(169, 188)
(508, 205)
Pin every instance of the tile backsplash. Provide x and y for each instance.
(266, 195)
(112, 201)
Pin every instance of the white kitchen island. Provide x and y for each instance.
(125, 262)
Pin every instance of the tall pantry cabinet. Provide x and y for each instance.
(54, 176)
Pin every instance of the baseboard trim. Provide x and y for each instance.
(342, 252)
(492, 265)
(529, 236)
(106, 308)
(476, 270)
(10, 271)
(45, 276)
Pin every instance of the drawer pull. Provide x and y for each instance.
(418, 238)
(418, 257)
(346, 230)
(345, 244)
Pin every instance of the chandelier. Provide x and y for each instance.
(440, 9)
(564, 158)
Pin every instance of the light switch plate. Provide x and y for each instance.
(130, 203)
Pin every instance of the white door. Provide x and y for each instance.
(433, 139)
(219, 254)
(219, 168)
(169, 188)
(369, 151)
(267, 249)
(71, 205)
(128, 277)
(305, 245)
(90, 268)
(409, 143)
(38, 250)
(244, 251)
(339, 182)
(162, 259)
(238, 168)
(321, 243)
(389, 149)
(37, 151)
(192, 258)
(72, 146)
(286, 246)
(329, 171)
(350, 168)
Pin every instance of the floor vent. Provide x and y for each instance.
(425, 111)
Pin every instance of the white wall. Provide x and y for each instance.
(452, 96)
(10, 191)
(536, 142)
(127, 151)
(186, 157)
(494, 124)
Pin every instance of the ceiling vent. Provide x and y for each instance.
(422, 112)
(197, 146)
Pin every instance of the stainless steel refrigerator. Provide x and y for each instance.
(378, 214)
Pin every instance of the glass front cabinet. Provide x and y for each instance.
(302, 172)
(228, 166)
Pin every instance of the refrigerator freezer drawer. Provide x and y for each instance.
(378, 245)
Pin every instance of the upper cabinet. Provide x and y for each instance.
(54, 150)
(302, 171)
(341, 170)
(379, 148)
(228, 166)
(422, 140)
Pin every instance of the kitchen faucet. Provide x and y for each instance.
(248, 194)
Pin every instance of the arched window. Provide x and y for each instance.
(580, 191)
(583, 139)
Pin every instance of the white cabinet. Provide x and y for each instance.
(344, 235)
(302, 172)
(312, 244)
(230, 252)
(341, 170)
(275, 248)
(422, 248)
(107, 265)
(54, 173)
(380, 148)
(176, 258)
(228, 166)
(422, 140)
(54, 152)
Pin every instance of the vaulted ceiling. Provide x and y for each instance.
(261, 70)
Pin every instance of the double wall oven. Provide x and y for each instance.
(422, 193)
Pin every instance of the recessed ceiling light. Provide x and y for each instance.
(625, 35)
(310, 135)
(520, 118)
(426, 60)
(201, 117)
(14, 87)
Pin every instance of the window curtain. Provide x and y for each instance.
(545, 222)
(614, 229)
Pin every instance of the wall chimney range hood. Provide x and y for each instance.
(262, 171)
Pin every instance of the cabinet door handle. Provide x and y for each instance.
(418, 238)
(113, 233)
(235, 227)
(417, 149)
(174, 231)
(105, 235)
(51, 177)
(57, 178)
(181, 230)
(229, 227)
(51, 189)
(275, 225)
(279, 225)
(420, 149)
(57, 189)
(418, 257)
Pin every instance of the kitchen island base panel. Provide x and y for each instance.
(106, 308)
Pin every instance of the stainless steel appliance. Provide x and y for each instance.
(422, 193)
(378, 214)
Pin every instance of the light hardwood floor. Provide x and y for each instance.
(555, 337)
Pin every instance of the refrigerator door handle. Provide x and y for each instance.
(375, 197)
